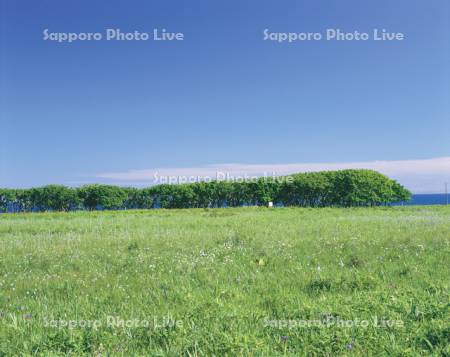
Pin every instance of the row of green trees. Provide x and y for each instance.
(344, 188)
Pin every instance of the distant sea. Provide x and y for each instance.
(426, 199)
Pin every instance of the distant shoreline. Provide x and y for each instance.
(425, 199)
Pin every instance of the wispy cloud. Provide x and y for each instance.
(420, 176)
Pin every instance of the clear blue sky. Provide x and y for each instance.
(223, 95)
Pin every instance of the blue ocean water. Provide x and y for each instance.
(426, 199)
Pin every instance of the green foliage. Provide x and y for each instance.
(24, 200)
(6, 196)
(139, 198)
(104, 196)
(263, 190)
(308, 190)
(173, 196)
(345, 188)
(54, 197)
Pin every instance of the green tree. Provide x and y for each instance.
(7, 196)
(54, 197)
(102, 196)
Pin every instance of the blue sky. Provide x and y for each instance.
(93, 111)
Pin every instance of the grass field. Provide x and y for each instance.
(244, 281)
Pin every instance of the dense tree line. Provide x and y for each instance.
(344, 188)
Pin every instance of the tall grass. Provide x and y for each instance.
(241, 281)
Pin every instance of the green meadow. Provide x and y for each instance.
(226, 282)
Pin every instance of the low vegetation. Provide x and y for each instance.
(343, 188)
(243, 281)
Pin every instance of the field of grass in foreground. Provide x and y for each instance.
(244, 281)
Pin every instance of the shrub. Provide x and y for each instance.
(102, 196)
(7, 197)
(344, 188)
(54, 197)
